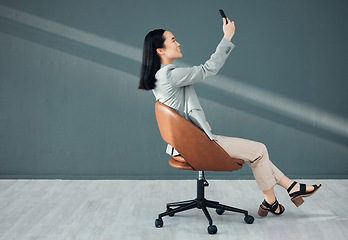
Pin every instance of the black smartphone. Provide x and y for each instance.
(223, 15)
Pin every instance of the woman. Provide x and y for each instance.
(172, 86)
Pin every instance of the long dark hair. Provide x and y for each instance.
(151, 62)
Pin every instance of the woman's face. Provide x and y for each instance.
(171, 50)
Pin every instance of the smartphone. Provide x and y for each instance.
(223, 15)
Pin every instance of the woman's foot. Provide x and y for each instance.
(275, 208)
(297, 191)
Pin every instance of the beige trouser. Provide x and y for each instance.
(255, 154)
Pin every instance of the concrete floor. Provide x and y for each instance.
(127, 209)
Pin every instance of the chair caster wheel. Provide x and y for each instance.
(249, 219)
(159, 223)
(212, 229)
(220, 211)
(170, 215)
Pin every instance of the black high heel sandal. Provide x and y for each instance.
(296, 197)
(265, 207)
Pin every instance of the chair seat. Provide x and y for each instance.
(179, 162)
(183, 165)
(180, 158)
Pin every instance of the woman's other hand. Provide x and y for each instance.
(228, 28)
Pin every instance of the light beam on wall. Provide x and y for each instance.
(260, 97)
(87, 38)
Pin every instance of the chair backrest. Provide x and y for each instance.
(192, 143)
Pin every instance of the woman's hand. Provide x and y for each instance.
(228, 29)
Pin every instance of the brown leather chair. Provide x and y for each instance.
(197, 153)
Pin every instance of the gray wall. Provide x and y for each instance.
(70, 108)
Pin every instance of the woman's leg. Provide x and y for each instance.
(265, 172)
(255, 154)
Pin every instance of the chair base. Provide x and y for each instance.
(201, 203)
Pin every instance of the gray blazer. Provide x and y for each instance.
(174, 87)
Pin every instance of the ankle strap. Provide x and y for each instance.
(292, 185)
(272, 207)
